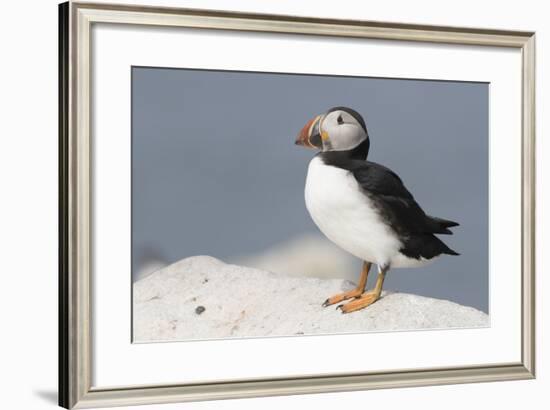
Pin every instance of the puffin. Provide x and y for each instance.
(364, 207)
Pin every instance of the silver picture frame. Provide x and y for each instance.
(75, 230)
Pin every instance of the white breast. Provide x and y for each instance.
(346, 215)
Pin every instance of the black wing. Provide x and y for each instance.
(395, 202)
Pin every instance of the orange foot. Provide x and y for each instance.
(362, 302)
(354, 293)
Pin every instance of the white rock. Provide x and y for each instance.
(203, 298)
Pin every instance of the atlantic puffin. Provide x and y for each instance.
(364, 207)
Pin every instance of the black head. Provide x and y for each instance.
(339, 129)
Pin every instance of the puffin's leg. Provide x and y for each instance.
(354, 293)
(367, 298)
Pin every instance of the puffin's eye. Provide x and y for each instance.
(340, 120)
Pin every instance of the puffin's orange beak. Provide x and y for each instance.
(309, 136)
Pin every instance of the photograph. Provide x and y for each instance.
(263, 201)
(243, 205)
(283, 204)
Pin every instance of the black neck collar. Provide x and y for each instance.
(360, 152)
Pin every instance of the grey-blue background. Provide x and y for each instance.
(215, 170)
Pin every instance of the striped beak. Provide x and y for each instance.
(310, 135)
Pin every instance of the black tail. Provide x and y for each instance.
(426, 246)
(449, 251)
(442, 246)
(442, 225)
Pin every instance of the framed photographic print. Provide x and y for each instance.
(291, 201)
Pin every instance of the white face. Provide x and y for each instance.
(340, 131)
